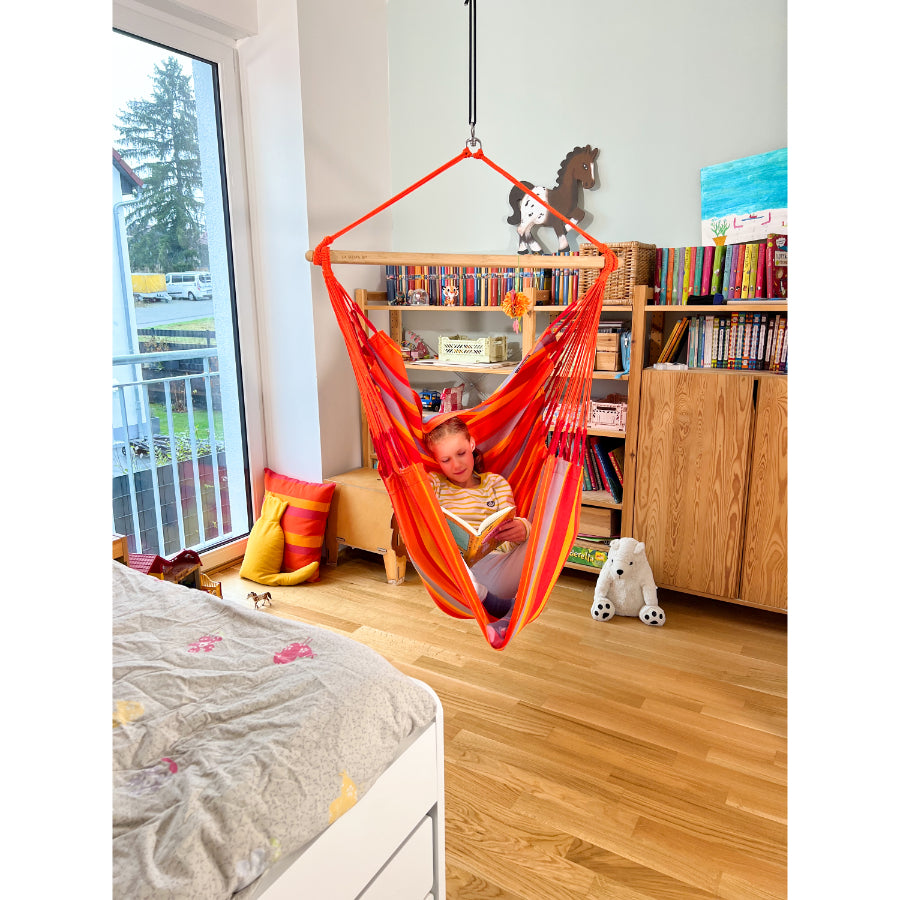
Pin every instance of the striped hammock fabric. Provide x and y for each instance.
(531, 430)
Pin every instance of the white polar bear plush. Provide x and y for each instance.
(626, 586)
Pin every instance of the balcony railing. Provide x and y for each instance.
(170, 486)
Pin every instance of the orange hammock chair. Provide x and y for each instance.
(531, 430)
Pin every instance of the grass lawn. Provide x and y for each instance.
(180, 421)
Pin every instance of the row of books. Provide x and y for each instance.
(604, 464)
(479, 285)
(751, 271)
(752, 340)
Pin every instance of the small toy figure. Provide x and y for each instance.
(431, 400)
(626, 586)
(260, 600)
(451, 295)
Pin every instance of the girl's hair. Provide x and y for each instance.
(451, 426)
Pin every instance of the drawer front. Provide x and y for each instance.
(409, 873)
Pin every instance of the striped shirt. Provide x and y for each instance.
(475, 504)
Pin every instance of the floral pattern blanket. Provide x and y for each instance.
(238, 737)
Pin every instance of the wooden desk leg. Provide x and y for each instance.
(394, 567)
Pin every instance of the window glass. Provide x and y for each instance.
(179, 473)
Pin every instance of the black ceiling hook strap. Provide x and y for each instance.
(473, 141)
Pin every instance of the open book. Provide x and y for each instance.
(476, 542)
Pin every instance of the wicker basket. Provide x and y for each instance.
(637, 265)
(464, 350)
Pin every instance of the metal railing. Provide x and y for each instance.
(172, 460)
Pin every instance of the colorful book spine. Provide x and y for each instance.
(715, 282)
(614, 462)
(706, 278)
(780, 266)
(658, 277)
(611, 483)
(698, 271)
(726, 270)
(690, 265)
(663, 273)
(670, 276)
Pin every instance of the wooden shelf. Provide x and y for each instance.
(450, 367)
(528, 262)
(581, 568)
(602, 499)
(749, 306)
(607, 432)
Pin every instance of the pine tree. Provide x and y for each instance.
(158, 137)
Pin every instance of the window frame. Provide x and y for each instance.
(194, 40)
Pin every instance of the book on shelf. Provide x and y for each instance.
(607, 472)
(726, 269)
(475, 542)
(615, 450)
(759, 289)
(673, 344)
(588, 552)
(706, 277)
(660, 275)
(474, 285)
(777, 263)
(749, 341)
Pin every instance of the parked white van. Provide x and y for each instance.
(189, 285)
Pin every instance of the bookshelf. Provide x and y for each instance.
(711, 469)
(460, 319)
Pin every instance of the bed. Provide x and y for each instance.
(257, 757)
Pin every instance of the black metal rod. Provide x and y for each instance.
(471, 5)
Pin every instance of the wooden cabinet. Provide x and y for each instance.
(711, 483)
(764, 569)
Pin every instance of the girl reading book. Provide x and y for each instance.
(473, 495)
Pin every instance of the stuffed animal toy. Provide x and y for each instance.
(626, 586)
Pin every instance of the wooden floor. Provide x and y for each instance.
(589, 760)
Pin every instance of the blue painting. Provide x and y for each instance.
(745, 199)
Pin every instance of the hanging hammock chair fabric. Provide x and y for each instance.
(531, 430)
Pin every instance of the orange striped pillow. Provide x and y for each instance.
(304, 519)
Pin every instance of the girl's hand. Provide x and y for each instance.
(514, 530)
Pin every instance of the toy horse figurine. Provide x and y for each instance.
(528, 214)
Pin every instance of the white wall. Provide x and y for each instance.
(344, 77)
(661, 88)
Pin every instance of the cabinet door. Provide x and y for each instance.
(764, 576)
(691, 484)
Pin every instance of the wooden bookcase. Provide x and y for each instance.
(711, 474)
(447, 319)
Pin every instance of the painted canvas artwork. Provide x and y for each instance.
(745, 199)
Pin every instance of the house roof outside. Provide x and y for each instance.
(130, 181)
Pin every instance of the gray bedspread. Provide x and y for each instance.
(238, 736)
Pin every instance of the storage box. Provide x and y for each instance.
(637, 265)
(607, 415)
(608, 357)
(463, 350)
(596, 521)
(361, 516)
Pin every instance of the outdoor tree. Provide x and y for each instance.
(158, 137)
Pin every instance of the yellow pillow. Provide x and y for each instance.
(265, 549)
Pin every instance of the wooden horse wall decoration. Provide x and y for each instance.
(577, 168)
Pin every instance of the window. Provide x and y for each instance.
(180, 473)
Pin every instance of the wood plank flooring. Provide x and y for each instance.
(588, 760)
